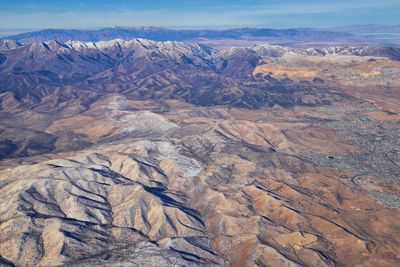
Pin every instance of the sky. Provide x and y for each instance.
(18, 15)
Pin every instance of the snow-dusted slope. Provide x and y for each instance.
(267, 50)
(136, 48)
(9, 44)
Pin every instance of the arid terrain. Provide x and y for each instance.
(150, 153)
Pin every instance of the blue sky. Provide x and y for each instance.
(29, 14)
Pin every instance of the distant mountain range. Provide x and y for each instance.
(163, 34)
(368, 29)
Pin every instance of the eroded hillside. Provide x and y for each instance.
(174, 154)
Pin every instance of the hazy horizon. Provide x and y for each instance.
(43, 14)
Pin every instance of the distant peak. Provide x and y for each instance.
(144, 28)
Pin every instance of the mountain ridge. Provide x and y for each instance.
(135, 66)
(164, 34)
